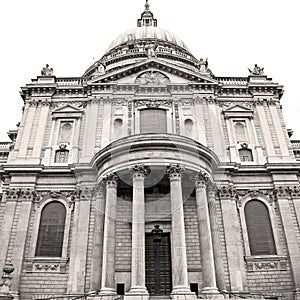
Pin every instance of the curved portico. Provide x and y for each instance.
(149, 161)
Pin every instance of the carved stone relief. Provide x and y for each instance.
(152, 78)
(153, 103)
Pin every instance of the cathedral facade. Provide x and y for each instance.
(150, 177)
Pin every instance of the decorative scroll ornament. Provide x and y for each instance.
(6, 278)
(153, 103)
(287, 191)
(259, 264)
(227, 192)
(46, 267)
(152, 78)
(21, 194)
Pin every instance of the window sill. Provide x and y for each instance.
(46, 265)
(260, 263)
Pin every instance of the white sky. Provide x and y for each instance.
(68, 34)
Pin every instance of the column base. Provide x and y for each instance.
(297, 294)
(182, 293)
(137, 293)
(6, 297)
(107, 294)
(211, 293)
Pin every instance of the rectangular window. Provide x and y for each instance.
(153, 120)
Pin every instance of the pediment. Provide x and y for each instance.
(67, 111)
(161, 69)
(238, 111)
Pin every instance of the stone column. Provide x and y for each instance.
(108, 289)
(215, 237)
(207, 256)
(138, 277)
(181, 289)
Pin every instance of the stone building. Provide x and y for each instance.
(150, 176)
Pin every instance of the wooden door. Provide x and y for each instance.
(158, 265)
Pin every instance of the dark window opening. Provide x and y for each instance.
(194, 288)
(51, 230)
(260, 234)
(121, 289)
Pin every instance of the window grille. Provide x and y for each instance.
(153, 121)
(259, 228)
(51, 230)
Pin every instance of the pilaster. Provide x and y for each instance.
(108, 289)
(98, 239)
(78, 254)
(218, 260)
(283, 198)
(234, 247)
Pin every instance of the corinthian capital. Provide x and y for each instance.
(140, 171)
(111, 180)
(201, 179)
(175, 171)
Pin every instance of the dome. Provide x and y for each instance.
(147, 32)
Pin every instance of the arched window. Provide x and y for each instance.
(153, 120)
(65, 132)
(188, 126)
(118, 124)
(51, 230)
(259, 228)
(240, 132)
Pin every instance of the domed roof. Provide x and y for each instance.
(147, 32)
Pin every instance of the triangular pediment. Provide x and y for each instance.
(67, 111)
(175, 73)
(67, 108)
(237, 108)
(238, 111)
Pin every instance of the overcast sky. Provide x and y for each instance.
(70, 34)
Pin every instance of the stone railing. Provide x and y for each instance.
(296, 148)
(296, 144)
(5, 145)
(164, 52)
(4, 151)
(65, 81)
(233, 80)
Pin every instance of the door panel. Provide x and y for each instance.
(158, 265)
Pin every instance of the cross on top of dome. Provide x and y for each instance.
(147, 18)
